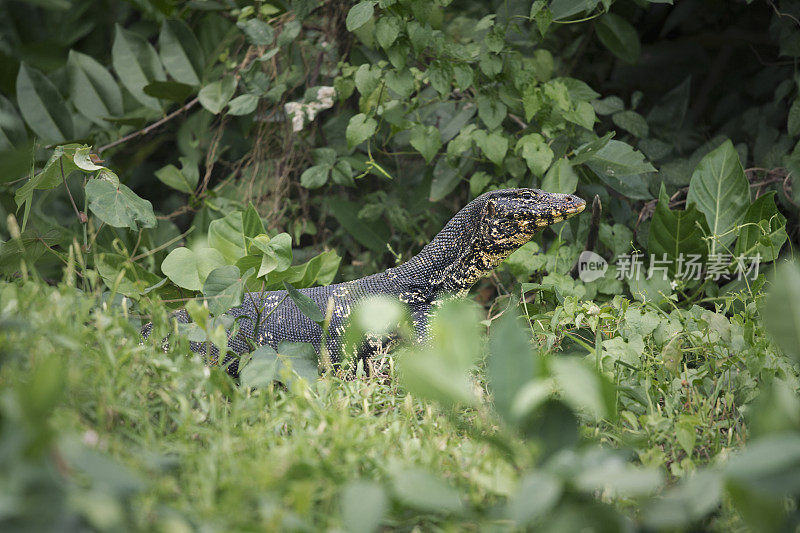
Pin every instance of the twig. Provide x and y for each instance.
(162, 246)
(781, 14)
(81, 216)
(777, 175)
(518, 120)
(151, 127)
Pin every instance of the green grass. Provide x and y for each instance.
(99, 429)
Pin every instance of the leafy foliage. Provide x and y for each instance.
(155, 156)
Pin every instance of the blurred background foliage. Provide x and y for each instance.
(156, 152)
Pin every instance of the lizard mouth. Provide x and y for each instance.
(578, 208)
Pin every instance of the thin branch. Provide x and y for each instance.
(162, 246)
(775, 175)
(151, 127)
(81, 216)
(781, 14)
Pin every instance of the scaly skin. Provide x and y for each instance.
(471, 245)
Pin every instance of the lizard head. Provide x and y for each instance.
(482, 235)
(512, 216)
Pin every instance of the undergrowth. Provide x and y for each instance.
(102, 429)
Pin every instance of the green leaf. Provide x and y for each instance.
(315, 177)
(793, 122)
(438, 372)
(583, 388)
(169, 90)
(30, 246)
(377, 315)
(136, 63)
(267, 365)
(478, 182)
(537, 494)
(632, 122)
(562, 9)
(227, 235)
(306, 305)
(257, 32)
(261, 370)
(12, 129)
(510, 365)
(289, 32)
(42, 106)
(244, 104)
(324, 156)
(172, 177)
(189, 269)
(216, 95)
(368, 79)
(603, 471)
(277, 252)
(560, 178)
(123, 276)
(401, 82)
(618, 165)
(426, 140)
(685, 503)
(586, 151)
(440, 75)
(368, 235)
(387, 30)
(493, 145)
(675, 233)
(180, 52)
(456, 124)
(619, 36)
(50, 176)
(618, 159)
(359, 15)
(342, 174)
(319, 270)
(781, 313)
(463, 75)
(445, 178)
(686, 435)
(359, 129)
(769, 465)
(491, 111)
(582, 114)
(92, 89)
(224, 287)
(720, 191)
(302, 357)
(542, 15)
(252, 225)
(118, 206)
(363, 504)
(761, 220)
(608, 105)
(420, 490)
(538, 155)
(420, 35)
(83, 160)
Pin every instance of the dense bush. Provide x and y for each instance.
(161, 154)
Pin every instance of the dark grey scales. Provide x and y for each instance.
(472, 243)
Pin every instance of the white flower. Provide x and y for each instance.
(302, 111)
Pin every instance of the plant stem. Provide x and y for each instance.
(151, 127)
(81, 219)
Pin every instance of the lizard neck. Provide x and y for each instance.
(445, 264)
